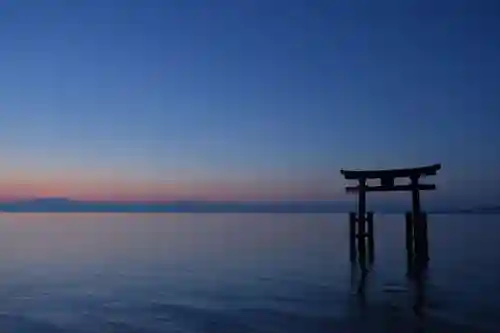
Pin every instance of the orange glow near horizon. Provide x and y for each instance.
(141, 190)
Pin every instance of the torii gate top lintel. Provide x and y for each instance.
(429, 170)
(387, 177)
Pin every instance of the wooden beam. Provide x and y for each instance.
(362, 220)
(420, 187)
(409, 241)
(429, 170)
(352, 236)
(387, 181)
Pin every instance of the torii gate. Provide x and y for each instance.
(416, 221)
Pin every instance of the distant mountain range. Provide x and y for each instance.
(69, 205)
(482, 210)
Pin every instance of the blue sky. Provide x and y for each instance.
(250, 95)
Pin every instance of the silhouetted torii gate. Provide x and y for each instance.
(416, 221)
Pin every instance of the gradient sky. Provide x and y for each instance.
(247, 99)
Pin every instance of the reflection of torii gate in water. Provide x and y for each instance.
(361, 225)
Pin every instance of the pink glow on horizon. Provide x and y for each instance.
(130, 190)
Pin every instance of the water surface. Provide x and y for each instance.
(239, 273)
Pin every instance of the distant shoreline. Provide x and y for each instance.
(64, 205)
(219, 212)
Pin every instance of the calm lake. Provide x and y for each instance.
(239, 273)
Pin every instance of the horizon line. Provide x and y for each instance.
(166, 201)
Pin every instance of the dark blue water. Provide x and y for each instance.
(239, 273)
